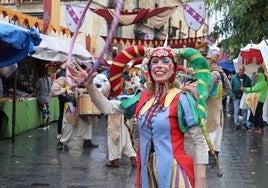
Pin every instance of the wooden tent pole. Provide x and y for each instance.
(14, 107)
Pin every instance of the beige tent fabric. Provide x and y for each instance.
(159, 19)
(252, 100)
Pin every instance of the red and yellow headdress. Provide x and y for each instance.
(161, 52)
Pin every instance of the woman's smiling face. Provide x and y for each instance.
(161, 69)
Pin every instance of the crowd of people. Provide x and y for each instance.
(163, 103)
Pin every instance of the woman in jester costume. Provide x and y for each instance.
(164, 113)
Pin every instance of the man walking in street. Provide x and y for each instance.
(239, 81)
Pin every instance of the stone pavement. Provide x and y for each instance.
(33, 161)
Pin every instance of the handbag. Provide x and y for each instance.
(238, 94)
(71, 118)
(243, 104)
(70, 115)
(252, 99)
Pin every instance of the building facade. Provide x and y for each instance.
(95, 27)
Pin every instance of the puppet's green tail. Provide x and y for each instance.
(203, 75)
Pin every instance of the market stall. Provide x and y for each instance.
(28, 115)
(16, 43)
(21, 113)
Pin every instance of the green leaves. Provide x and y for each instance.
(243, 22)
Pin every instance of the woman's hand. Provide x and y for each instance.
(79, 75)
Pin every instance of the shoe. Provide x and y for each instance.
(58, 136)
(113, 163)
(228, 115)
(60, 146)
(253, 129)
(133, 161)
(47, 122)
(89, 144)
(245, 127)
(259, 131)
(237, 127)
(43, 126)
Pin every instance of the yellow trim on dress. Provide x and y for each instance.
(152, 171)
(174, 172)
(170, 96)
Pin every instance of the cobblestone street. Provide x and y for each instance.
(33, 161)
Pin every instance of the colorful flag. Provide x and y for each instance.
(148, 36)
(194, 14)
(72, 15)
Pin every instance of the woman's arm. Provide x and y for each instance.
(201, 156)
(104, 105)
(58, 87)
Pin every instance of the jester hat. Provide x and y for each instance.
(195, 58)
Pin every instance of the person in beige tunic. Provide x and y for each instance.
(118, 135)
(119, 141)
(83, 129)
(220, 88)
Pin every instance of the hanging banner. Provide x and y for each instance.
(47, 15)
(72, 16)
(157, 16)
(194, 14)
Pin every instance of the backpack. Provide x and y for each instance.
(226, 85)
(221, 90)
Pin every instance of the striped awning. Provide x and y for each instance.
(173, 43)
(31, 21)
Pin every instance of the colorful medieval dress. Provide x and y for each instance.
(162, 160)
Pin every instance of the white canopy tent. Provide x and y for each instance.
(56, 49)
(262, 47)
(252, 66)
